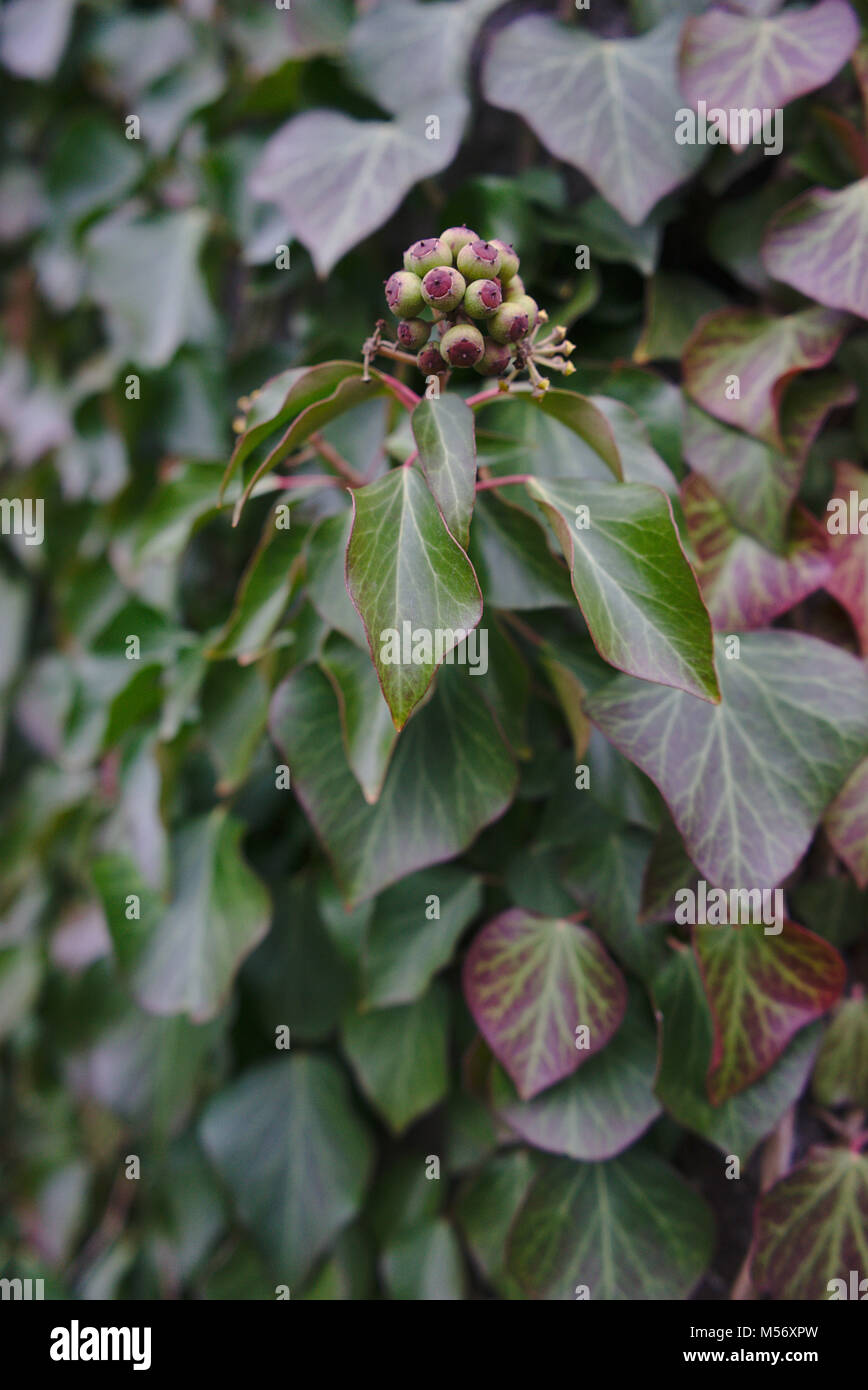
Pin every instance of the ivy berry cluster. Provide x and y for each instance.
(460, 302)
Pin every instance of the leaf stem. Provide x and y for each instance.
(336, 459)
(504, 481)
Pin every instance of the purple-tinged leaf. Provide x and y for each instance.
(756, 483)
(606, 106)
(530, 983)
(819, 245)
(810, 1229)
(846, 823)
(632, 580)
(739, 362)
(747, 780)
(336, 179)
(743, 584)
(734, 61)
(847, 524)
(762, 990)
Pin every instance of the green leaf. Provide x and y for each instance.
(553, 76)
(399, 1056)
(762, 989)
(628, 1229)
(326, 557)
(431, 806)
(183, 959)
(425, 1263)
(599, 1110)
(405, 944)
(336, 179)
(144, 275)
(818, 245)
(841, 1074)
(514, 566)
(633, 583)
(846, 823)
(406, 575)
(444, 432)
(751, 776)
(531, 982)
(735, 1125)
(674, 304)
(369, 734)
(485, 1208)
(810, 1229)
(267, 1134)
(262, 595)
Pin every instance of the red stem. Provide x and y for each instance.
(505, 481)
(482, 396)
(310, 479)
(405, 395)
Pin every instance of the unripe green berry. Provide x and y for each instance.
(509, 261)
(458, 237)
(443, 288)
(430, 362)
(530, 307)
(404, 294)
(509, 323)
(482, 298)
(494, 360)
(462, 346)
(479, 261)
(514, 290)
(424, 255)
(413, 334)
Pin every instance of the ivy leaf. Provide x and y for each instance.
(336, 179)
(183, 959)
(632, 580)
(553, 76)
(599, 1110)
(848, 582)
(764, 353)
(451, 774)
(485, 1208)
(747, 780)
(743, 584)
(515, 568)
(741, 61)
(444, 432)
(326, 557)
(627, 1229)
(425, 1264)
(369, 734)
(405, 575)
(735, 1125)
(846, 823)
(399, 1056)
(268, 1134)
(755, 482)
(530, 982)
(762, 990)
(405, 944)
(810, 1228)
(144, 275)
(841, 1074)
(819, 245)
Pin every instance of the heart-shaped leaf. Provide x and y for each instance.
(819, 245)
(444, 431)
(411, 583)
(530, 983)
(846, 823)
(553, 76)
(599, 1110)
(336, 179)
(847, 524)
(743, 584)
(627, 1229)
(738, 61)
(841, 1074)
(632, 580)
(433, 802)
(399, 1056)
(288, 1143)
(735, 1125)
(762, 989)
(182, 959)
(756, 483)
(369, 734)
(810, 1229)
(739, 362)
(747, 780)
